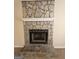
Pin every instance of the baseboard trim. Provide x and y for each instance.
(18, 46)
(59, 47)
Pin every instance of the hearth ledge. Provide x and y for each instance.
(38, 19)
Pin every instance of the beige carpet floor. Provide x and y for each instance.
(60, 52)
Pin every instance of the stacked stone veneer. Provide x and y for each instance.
(39, 25)
(38, 9)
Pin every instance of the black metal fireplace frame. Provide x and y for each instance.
(31, 31)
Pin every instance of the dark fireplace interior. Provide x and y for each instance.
(38, 36)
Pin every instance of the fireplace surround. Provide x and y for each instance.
(38, 20)
(37, 24)
(38, 28)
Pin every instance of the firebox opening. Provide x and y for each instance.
(38, 36)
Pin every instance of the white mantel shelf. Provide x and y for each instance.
(38, 19)
(32, 0)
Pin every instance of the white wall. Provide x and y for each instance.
(58, 25)
(18, 25)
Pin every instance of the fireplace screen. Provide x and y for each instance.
(38, 36)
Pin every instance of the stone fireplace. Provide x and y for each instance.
(38, 33)
(38, 19)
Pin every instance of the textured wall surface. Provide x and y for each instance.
(38, 9)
